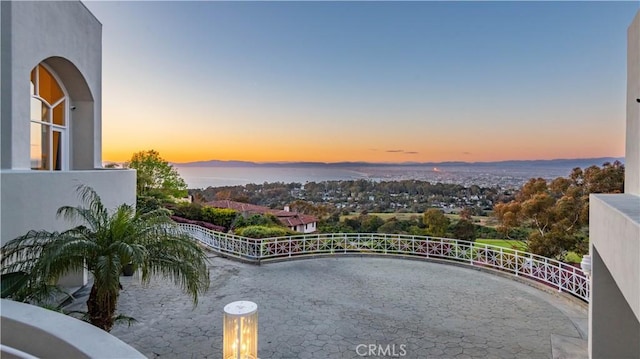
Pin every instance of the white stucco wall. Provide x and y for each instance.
(632, 155)
(69, 38)
(310, 228)
(614, 303)
(614, 234)
(30, 199)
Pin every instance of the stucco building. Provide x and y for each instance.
(51, 142)
(614, 232)
(50, 108)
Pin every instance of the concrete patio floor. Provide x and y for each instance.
(337, 307)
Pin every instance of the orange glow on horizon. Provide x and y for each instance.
(343, 154)
(436, 142)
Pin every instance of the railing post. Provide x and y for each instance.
(289, 247)
(559, 276)
(344, 247)
(413, 245)
(516, 262)
(426, 243)
(455, 243)
(385, 242)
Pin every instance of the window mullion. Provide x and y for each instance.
(37, 97)
(50, 153)
(58, 102)
(37, 81)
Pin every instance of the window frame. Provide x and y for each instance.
(64, 130)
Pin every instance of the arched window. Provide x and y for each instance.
(49, 121)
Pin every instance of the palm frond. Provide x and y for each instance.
(13, 283)
(180, 259)
(91, 199)
(79, 214)
(103, 242)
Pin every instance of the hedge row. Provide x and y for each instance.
(204, 224)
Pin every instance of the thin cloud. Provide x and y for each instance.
(402, 151)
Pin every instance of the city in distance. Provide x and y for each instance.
(502, 174)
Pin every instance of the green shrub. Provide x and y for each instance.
(191, 211)
(267, 220)
(219, 216)
(465, 230)
(572, 257)
(264, 232)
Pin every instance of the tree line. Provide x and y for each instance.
(556, 213)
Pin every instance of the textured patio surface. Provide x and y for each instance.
(337, 307)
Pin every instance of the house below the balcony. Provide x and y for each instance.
(293, 220)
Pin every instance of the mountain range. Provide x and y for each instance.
(575, 162)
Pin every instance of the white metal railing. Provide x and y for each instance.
(562, 276)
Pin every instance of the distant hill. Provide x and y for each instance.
(572, 163)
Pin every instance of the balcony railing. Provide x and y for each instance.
(561, 276)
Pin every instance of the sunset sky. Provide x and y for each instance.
(364, 81)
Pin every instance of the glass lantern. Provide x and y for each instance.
(240, 330)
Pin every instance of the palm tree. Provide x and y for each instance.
(104, 243)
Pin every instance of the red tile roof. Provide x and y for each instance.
(297, 219)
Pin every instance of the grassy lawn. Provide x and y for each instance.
(505, 243)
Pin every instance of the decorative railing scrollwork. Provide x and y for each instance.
(562, 276)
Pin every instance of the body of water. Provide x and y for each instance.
(467, 175)
(203, 177)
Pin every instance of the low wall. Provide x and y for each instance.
(614, 314)
(47, 334)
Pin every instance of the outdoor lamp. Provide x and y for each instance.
(586, 265)
(240, 330)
